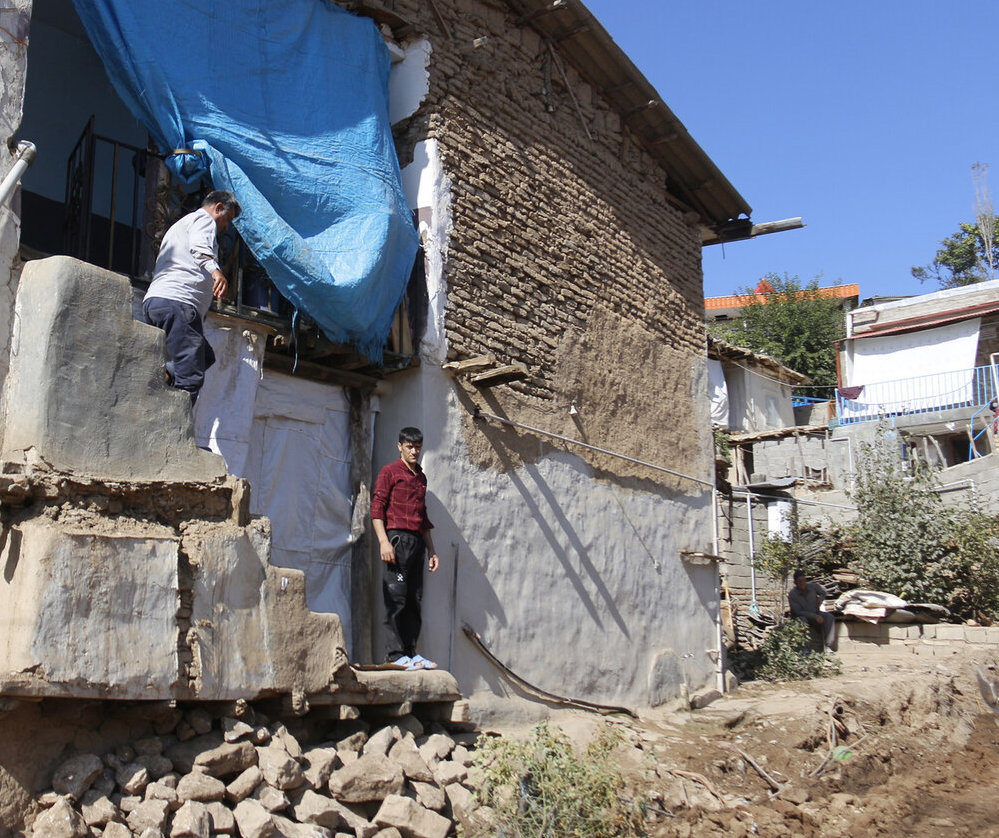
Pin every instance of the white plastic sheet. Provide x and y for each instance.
(913, 372)
(290, 438)
(718, 393)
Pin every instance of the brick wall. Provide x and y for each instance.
(546, 222)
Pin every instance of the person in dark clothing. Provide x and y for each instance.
(399, 519)
(805, 599)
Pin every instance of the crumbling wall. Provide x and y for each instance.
(551, 244)
(132, 569)
(15, 19)
(558, 219)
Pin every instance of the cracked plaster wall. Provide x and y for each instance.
(560, 253)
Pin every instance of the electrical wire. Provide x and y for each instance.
(603, 709)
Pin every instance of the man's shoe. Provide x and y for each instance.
(420, 662)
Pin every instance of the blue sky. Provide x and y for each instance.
(864, 118)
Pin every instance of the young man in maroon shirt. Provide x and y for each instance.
(399, 518)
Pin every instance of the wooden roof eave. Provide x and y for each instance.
(692, 177)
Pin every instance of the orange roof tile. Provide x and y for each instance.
(739, 300)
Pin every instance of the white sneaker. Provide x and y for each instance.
(405, 662)
(420, 662)
(830, 650)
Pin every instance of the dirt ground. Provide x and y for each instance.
(898, 744)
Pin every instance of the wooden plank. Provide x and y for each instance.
(479, 362)
(500, 375)
(316, 372)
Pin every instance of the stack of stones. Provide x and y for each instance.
(228, 777)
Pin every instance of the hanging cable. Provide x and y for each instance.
(478, 414)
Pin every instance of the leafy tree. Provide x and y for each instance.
(907, 542)
(903, 528)
(792, 323)
(963, 258)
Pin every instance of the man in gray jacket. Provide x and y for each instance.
(186, 277)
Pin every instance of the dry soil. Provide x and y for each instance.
(898, 744)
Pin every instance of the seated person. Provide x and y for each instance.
(805, 598)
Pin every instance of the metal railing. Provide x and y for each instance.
(97, 234)
(965, 388)
(120, 201)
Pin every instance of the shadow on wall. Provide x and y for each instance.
(470, 599)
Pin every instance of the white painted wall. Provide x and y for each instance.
(15, 18)
(757, 402)
(576, 583)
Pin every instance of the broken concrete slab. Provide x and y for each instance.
(87, 612)
(81, 374)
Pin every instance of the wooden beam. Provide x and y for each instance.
(469, 365)
(500, 375)
(317, 372)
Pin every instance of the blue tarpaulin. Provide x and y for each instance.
(288, 105)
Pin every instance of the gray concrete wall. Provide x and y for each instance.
(808, 456)
(131, 567)
(85, 389)
(15, 18)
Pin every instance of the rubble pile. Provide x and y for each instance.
(200, 777)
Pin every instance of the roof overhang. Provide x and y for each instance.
(691, 176)
(925, 321)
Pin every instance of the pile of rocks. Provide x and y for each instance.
(230, 776)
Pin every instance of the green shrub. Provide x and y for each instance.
(541, 787)
(907, 542)
(785, 655)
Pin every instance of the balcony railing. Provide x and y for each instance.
(120, 200)
(921, 394)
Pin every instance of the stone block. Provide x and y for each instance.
(279, 769)
(253, 820)
(252, 630)
(76, 775)
(976, 634)
(411, 819)
(227, 759)
(60, 821)
(85, 387)
(904, 632)
(192, 820)
(200, 787)
(945, 632)
(372, 777)
(96, 611)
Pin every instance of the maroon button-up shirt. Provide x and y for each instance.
(400, 498)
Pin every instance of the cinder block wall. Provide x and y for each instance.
(804, 455)
(733, 546)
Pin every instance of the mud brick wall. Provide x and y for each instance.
(547, 222)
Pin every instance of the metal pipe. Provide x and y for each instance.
(719, 629)
(114, 206)
(752, 547)
(479, 414)
(25, 156)
(943, 487)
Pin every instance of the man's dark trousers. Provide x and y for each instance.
(190, 354)
(402, 589)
